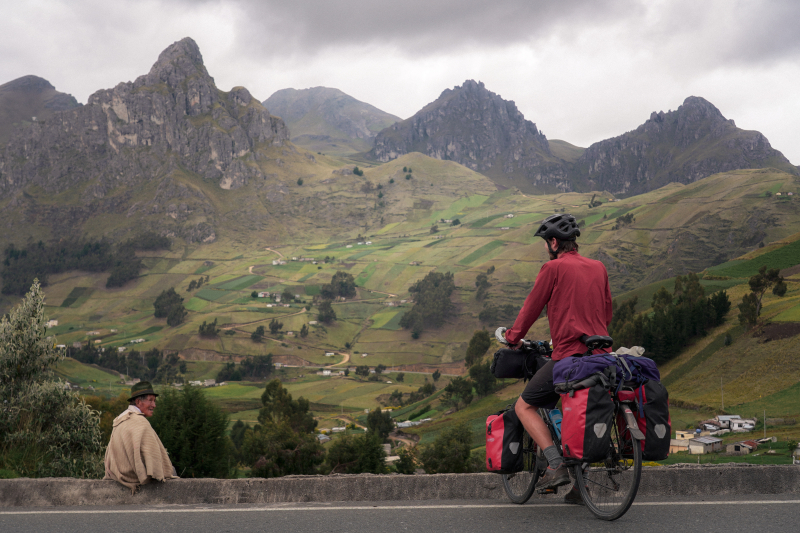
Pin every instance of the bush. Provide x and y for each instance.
(449, 453)
(356, 454)
(45, 429)
(193, 430)
(380, 423)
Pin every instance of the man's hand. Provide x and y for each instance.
(500, 335)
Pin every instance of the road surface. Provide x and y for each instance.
(721, 514)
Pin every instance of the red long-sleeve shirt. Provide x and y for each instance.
(578, 298)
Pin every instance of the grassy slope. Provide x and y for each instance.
(437, 190)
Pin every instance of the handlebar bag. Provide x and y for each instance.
(588, 414)
(652, 417)
(504, 442)
(516, 364)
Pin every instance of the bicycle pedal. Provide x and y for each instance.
(553, 490)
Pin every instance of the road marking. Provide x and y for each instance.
(376, 507)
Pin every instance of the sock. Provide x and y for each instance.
(554, 459)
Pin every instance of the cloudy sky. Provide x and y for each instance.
(583, 70)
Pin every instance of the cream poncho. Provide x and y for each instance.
(135, 454)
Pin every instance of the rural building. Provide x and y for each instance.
(93, 333)
(363, 355)
(210, 382)
(340, 429)
(678, 445)
(326, 372)
(703, 445)
(52, 323)
(742, 448)
(323, 438)
(725, 420)
(63, 346)
(137, 341)
(684, 435)
(349, 246)
(509, 215)
(98, 341)
(743, 425)
(278, 365)
(328, 354)
(121, 349)
(196, 383)
(263, 295)
(710, 425)
(312, 322)
(504, 228)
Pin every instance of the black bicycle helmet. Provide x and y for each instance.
(563, 227)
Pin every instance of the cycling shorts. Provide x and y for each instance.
(540, 391)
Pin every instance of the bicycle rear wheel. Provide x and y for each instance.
(519, 486)
(609, 487)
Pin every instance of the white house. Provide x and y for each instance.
(210, 382)
(328, 354)
(339, 429)
(326, 372)
(52, 323)
(263, 295)
(121, 349)
(702, 445)
(510, 215)
(349, 246)
(742, 425)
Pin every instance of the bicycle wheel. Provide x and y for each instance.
(519, 486)
(609, 487)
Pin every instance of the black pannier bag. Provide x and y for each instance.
(516, 364)
(504, 433)
(652, 417)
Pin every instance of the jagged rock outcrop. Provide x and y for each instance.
(29, 99)
(685, 145)
(175, 112)
(131, 138)
(477, 128)
(327, 119)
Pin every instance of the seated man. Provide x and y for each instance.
(576, 292)
(135, 455)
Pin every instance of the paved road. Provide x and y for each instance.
(747, 513)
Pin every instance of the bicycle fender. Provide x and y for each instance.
(633, 427)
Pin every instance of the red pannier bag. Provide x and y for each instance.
(586, 425)
(652, 417)
(504, 442)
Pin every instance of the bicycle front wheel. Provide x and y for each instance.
(519, 486)
(609, 487)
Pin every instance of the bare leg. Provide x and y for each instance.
(533, 424)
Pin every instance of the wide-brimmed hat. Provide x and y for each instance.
(143, 388)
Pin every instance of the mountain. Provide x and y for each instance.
(327, 120)
(477, 128)
(684, 145)
(137, 139)
(29, 99)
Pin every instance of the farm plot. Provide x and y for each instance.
(210, 294)
(238, 284)
(77, 297)
(480, 252)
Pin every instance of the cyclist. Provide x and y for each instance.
(576, 292)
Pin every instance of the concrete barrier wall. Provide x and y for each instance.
(674, 481)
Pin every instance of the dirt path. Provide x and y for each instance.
(389, 294)
(275, 251)
(343, 361)
(250, 268)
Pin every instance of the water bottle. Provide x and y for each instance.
(555, 419)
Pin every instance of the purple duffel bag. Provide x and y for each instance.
(574, 373)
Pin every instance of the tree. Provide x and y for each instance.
(457, 393)
(279, 407)
(238, 431)
(480, 342)
(165, 302)
(275, 326)
(275, 450)
(257, 366)
(362, 370)
(380, 423)
(325, 312)
(434, 229)
(380, 369)
(456, 222)
(482, 283)
(258, 334)
(45, 428)
(176, 316)
(300, 181)
(287, 295)
(400, 377)
(750, 308)
(342, 284)
(449, 453)
(432, 303)
(193, 429)
(208, 330)
(436, 375)
(357, 171)
(253, 294)
(661, 299)
(356, 454)
(407, 464)
(483, 378)
(304, 331)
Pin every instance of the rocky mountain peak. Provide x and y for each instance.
(27, 83)
(179, 61)
(477, 128)
(684, 145)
